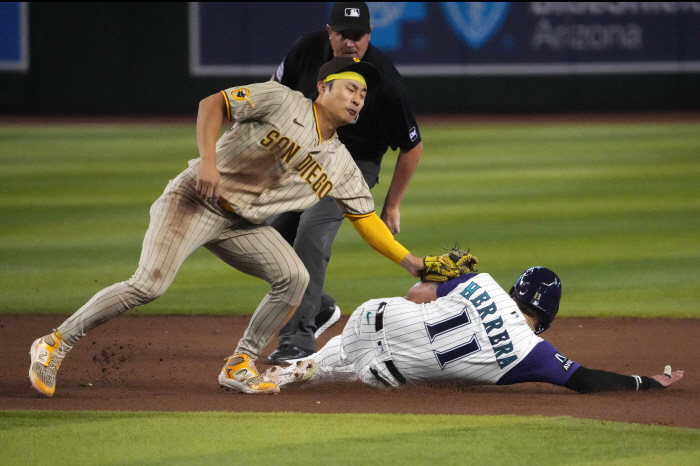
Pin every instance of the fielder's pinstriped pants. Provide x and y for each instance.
(180, 223)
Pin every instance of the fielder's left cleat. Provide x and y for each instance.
(47, 353)
(300, 371)
(239, 374)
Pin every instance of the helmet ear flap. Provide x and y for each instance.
(540, 289)
(544, 322)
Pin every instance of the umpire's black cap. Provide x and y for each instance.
(350, 16)
(342, 64)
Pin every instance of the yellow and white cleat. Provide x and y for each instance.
(47, 354)
(239, 374)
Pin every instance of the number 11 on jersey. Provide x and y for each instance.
(458, 352)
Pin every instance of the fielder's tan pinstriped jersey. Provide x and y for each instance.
(274, 160)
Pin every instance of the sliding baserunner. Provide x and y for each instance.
(466, 331)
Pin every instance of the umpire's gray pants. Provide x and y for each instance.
(312, 233)
(180, 223)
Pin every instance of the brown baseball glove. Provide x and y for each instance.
(451, 265)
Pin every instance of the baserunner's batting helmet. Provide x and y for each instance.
(540, 288)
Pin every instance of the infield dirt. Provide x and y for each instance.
(171, 364)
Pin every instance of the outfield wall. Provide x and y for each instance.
(120, 59)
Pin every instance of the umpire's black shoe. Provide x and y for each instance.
(286, 353)
(326, 319)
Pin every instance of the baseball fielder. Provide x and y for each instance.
(281, 154)
(467, 331)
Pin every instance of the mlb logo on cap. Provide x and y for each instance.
(350, 16)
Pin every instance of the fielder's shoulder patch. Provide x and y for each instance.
(242, 93)
(280, 72)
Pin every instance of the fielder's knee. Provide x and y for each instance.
(296, 280)
(299, 278)
(145, 292)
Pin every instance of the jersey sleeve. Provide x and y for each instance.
(352, 193)
(543, 364)
(254, 101)
(396, 116)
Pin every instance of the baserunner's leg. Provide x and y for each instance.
(327, 365)
(332, 363)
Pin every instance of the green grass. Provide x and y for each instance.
(614, 209)
(80, 438)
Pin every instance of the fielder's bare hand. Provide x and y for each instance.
(413, 264)
(208, 181)
(668, 377)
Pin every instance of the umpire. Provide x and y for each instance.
(387, 120)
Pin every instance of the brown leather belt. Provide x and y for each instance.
(225, 205)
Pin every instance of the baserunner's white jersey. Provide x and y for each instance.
(274, 159)
(474, 335)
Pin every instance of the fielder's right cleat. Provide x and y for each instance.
(326, 319)
(47, 353)
(301, 371)
(239, 374)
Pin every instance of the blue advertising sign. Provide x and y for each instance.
(14, 36)
(462, 38)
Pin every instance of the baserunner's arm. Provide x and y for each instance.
(586, 380)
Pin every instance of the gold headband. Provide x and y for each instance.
(346, 75)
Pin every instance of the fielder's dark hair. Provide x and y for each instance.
(315, 94)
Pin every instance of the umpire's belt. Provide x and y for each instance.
(382, 353)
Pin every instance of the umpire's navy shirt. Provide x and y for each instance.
(387, 119)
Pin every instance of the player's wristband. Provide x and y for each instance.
(646, 383)
(638, 381)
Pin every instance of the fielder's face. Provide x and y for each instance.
(348, 43)
(345, 100)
